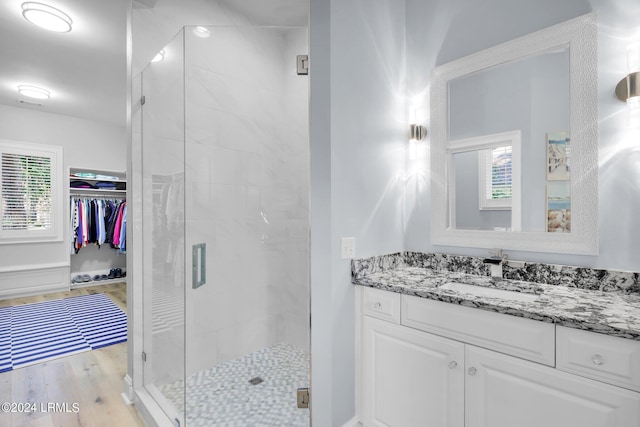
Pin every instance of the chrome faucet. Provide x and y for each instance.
(496, 259)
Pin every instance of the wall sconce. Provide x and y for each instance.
(417, 133)
(628, 89)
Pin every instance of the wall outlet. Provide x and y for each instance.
(348, 247)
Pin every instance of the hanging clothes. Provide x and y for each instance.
(98, 221)
(123, 230)
(111, 217)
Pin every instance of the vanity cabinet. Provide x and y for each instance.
(410, 378)
(505, 391)
(473, 371)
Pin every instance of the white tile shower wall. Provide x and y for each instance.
(247, 192)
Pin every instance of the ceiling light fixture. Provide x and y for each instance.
(201, 32)
(34, 92)
(159, 56)
(47, 17)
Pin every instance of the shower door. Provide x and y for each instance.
(230, 245)
(163, 230)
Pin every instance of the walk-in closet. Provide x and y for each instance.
(97, 225)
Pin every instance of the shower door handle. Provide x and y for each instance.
(198, 265)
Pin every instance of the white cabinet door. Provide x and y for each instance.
(410, 378)
(503, 391)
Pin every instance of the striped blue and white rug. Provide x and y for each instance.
(33, 333)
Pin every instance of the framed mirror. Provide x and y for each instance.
(514, 144)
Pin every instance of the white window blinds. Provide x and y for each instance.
(495, 178)
(499, 174)
(26, 192)
(31, 205)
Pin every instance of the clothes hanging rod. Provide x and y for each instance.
(99, 196)
(95, 191)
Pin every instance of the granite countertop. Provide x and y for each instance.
(611, 313)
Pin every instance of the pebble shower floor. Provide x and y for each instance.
(225, 396)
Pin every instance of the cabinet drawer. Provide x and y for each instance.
(384, 305)
(524, 338)
(604, 358)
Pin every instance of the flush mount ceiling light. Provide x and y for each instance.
(201, 32)
(47, 17)
(159, 56)
(34, 92)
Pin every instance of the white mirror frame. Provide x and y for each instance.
(581, 35)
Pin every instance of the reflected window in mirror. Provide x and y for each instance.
(495, 178)
(485, 182)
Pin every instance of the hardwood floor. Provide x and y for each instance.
(86, 387)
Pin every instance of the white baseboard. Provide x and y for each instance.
(22, 281)
(127, 394)
(353, 422)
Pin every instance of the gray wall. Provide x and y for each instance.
(86, 143)
(439, 31)
(358, 142)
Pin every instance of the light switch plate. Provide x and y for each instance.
(348, 247)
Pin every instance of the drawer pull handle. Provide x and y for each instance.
(377, 305)
(453, 364)
(472, 371)
(597, 360)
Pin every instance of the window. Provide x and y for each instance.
(495, 168)
(30, 194)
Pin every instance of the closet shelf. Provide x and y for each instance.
(117, 179)
(79, 178)
(95, 191)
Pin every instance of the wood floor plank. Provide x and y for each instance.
(59, 391)
(28, 388)
(5, 394)
(45, 420)
(86, 389)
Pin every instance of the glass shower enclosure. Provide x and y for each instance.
(225, 208)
